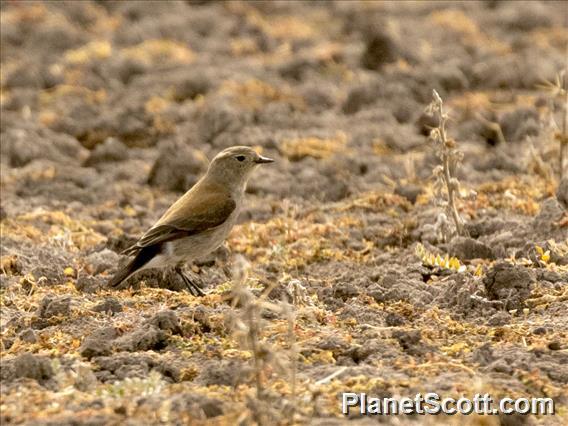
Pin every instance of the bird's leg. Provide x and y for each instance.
(193, 288)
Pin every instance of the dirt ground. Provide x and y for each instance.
(111, 110)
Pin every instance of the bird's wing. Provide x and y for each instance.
(212, 210)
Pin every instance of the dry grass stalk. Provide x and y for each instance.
(290, 315)
(252, 316)
(246, 322)
(563, 138)
(447, 151)
(558, 90)
(248, 327)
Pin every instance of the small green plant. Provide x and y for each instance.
(446, 185)
(436, 261)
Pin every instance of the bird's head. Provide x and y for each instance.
(234, 165)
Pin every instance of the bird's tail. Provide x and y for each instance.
(140, 259)
(122, 274)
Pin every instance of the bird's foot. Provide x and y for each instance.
(193, 288)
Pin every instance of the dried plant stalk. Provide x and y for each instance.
(246, 321)
(253, 338)
(249, 329)
(290, 314)
(559, 90)
(563, 138)
(447, 151)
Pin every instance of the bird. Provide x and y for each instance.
(199, 221)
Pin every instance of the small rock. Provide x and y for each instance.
(54, 306)
(380, 49)
(517, 125)
(545, 223)
(483, 355)
(98, 343)
(403, 112)
(22, 146)
(89, 284)
(212, 408)
(525, 16)
(552, 276)
(110, 304)
(297, 67)
(120, 243)
(194, 403)
(562, 192)
(450, 77)
(123, 365)
(121, 410)
(514, 419)
(102, 261)
(394, 320)
(111, 150)
(492, 133)
(177, 168)
(411, 342)
(394, 287)
(202, 317)
(28, 336)
(192, 84)
(508, 283)
(33, 367)
(166, 320)
(318, 98)
(499, 160)
(359, 97)
(85, 379)
(500, 366)
(335, 344)
(10, 265)
(345, 290)
(218, 118)
(171, 372)
(410, 192)
(143, 339)
(425, 123)
(488, 226)
(465, 248)
(539, 331)
(224, 373)
(125, 69)
(499, 319)
(373, 349)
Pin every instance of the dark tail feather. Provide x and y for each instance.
(142, 257)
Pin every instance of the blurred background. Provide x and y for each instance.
(112, 109)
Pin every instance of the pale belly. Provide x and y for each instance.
(197, 246)
(192, 247)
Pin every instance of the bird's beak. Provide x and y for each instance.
(262, 160)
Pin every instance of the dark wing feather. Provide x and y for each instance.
(161, 234)
(212, 210)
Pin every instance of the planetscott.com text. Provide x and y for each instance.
(432, 403)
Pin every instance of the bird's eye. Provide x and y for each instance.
(240, 157)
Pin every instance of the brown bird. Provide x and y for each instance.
(198, 222)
